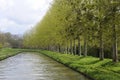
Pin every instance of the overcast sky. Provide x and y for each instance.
(17, 16)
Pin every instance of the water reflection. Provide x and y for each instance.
(29, 66)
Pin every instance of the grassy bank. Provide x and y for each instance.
(8, 52)
(99, 70)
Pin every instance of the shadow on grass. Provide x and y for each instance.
(94, 62)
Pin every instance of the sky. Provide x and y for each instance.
(18, 16)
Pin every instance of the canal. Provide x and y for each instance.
(33, 66)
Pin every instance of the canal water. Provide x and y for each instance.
(32, 66)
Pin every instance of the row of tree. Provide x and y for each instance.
(10, 41)
(77, 27)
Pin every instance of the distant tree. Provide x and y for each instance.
(9, 40)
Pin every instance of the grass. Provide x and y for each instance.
(96, 69)
(8, 52)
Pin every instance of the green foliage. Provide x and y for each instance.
(95, 22)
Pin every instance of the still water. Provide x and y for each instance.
(31, 66)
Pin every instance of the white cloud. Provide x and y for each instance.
(12, 26)
(5, 4)
(16, 16)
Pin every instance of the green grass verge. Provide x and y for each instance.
(99, 70)
(8, 52)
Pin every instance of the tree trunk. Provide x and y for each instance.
(79, 46)
(71, 47)
(74, 47)
(63, 50)
(101, 53)
(67, 48)
(115, 51)
(59, 48)
(56, 47)
(85, 46)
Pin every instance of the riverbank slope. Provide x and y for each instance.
(8, 52)
(90, 66)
